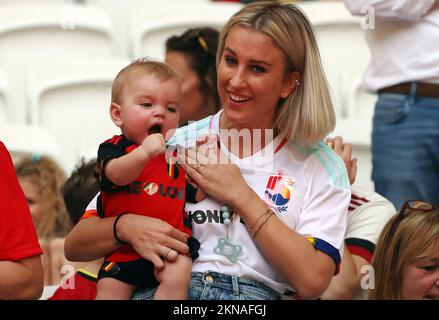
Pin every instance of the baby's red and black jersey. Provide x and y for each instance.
(113, 148)
(159, 192)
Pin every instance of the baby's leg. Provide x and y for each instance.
(174, 279)
(113, 289)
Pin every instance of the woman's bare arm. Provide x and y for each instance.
(93, 238)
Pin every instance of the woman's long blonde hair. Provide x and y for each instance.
(402, 242)
(307, 115)
(47, 175)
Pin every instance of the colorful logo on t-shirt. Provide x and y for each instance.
(278, 192)
(151, 188)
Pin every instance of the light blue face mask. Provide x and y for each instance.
(187, 136)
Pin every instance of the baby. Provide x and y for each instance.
(136, 177)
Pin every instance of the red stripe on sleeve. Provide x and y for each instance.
(353, 196)
(361, 252)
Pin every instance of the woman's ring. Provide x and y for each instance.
(330, 145)
(167, 253)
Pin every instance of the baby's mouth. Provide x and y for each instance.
(155, 129)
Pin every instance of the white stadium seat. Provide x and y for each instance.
(41, 34)
(356, 128)
(342, 46)
(28, 2)
(349, 129)
(121, 11)
(150, 28)
(73, 102)
(23, 140)
(3, 99)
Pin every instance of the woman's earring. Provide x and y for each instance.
(297, 83)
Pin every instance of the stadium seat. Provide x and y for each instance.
(360, 104)
(23, 140)
(151, 28)
(38, 34)
(27, 2)
(73, 102)
(3, 99)
(342, 46)
(120, 13)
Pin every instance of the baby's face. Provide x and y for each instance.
(149, 106)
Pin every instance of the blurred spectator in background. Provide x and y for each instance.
(192, 55)
(21, 275)
(404, 71)
(41, 179)
(78, 191)
(406, 260)
(368, 212)
(80, 188)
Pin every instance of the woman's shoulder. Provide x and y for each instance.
(319, 158)
(319, 152)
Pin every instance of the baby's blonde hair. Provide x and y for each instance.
(160, 70)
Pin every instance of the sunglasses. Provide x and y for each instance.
(416, 205)
(412, 206)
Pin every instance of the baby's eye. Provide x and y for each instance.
(146, 104)
(172, 109)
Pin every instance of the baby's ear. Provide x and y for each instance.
(115, 114)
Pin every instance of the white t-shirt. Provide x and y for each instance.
(309, 191)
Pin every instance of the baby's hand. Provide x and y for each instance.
(208, 139)
(200, 195)
(154, 145)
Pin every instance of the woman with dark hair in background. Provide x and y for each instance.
(192, 55)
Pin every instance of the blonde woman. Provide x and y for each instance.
(275, 218)
(41, 179)
(406, 260)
